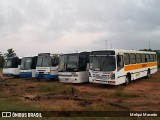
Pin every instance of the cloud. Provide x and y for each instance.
(32, 26)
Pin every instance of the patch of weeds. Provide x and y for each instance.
(87, 94)
(102, 107)
(152, 79)
(12, 105)
(119, 92)
(57, 88)
(1, 69)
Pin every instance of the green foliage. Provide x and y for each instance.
(10, 53)
(57, 88)
(119, 92)
(12, 105)
(1, 69)
(1, 60)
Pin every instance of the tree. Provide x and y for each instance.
(10, 53)
(1, 60)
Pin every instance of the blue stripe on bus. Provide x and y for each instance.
(48, 76)
(26, 75)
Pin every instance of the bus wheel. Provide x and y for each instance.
(127, 80)
(148, 74)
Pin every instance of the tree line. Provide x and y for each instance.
(10, 53)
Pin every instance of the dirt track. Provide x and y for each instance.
(143, 95)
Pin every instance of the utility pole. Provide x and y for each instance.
(149, 45)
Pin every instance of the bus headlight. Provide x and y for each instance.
(112, 76)
(74, 74)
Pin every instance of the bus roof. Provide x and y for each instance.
(75, 52)
(29, 56)
(127, 51)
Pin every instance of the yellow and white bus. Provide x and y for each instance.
(117, 67)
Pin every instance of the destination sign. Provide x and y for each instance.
(103, 52)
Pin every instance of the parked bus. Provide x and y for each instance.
(28, 67)
(117, 67)
(11, 67)
(73, 67)
(47, 66)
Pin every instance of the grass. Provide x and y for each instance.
(1, 69)
(15, 104)
(119, 92)
(152, 80)
(57, 87)
(122, 94)
(11, 105)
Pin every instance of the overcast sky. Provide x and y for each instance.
(58, 26)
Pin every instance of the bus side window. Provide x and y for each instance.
(132, 58)
(34, 63)
(54, 61)
(147, 58)
(151, 57)
(126, 59)
(19, 62)
(143, 58)
(82, 62)
(15, 63)
(120, 63)
(155, 57)
(138, 58)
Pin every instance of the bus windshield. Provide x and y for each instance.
(11, 63)
(68, 63)
(26, 63)
(8, 63)
(102, 63)
(44, 62)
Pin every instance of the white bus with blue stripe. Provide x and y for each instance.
(28, 67)
(11, 67)
(73, 67)
(47, 66)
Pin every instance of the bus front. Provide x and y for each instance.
(28, 67)
(47, 66)
(73, 68)
(102, 68)
(11, 67)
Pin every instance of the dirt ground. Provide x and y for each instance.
(140, 95)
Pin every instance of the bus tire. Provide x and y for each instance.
(148, 74)
(127, 80)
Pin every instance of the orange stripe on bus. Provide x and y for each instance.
(138, 66)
